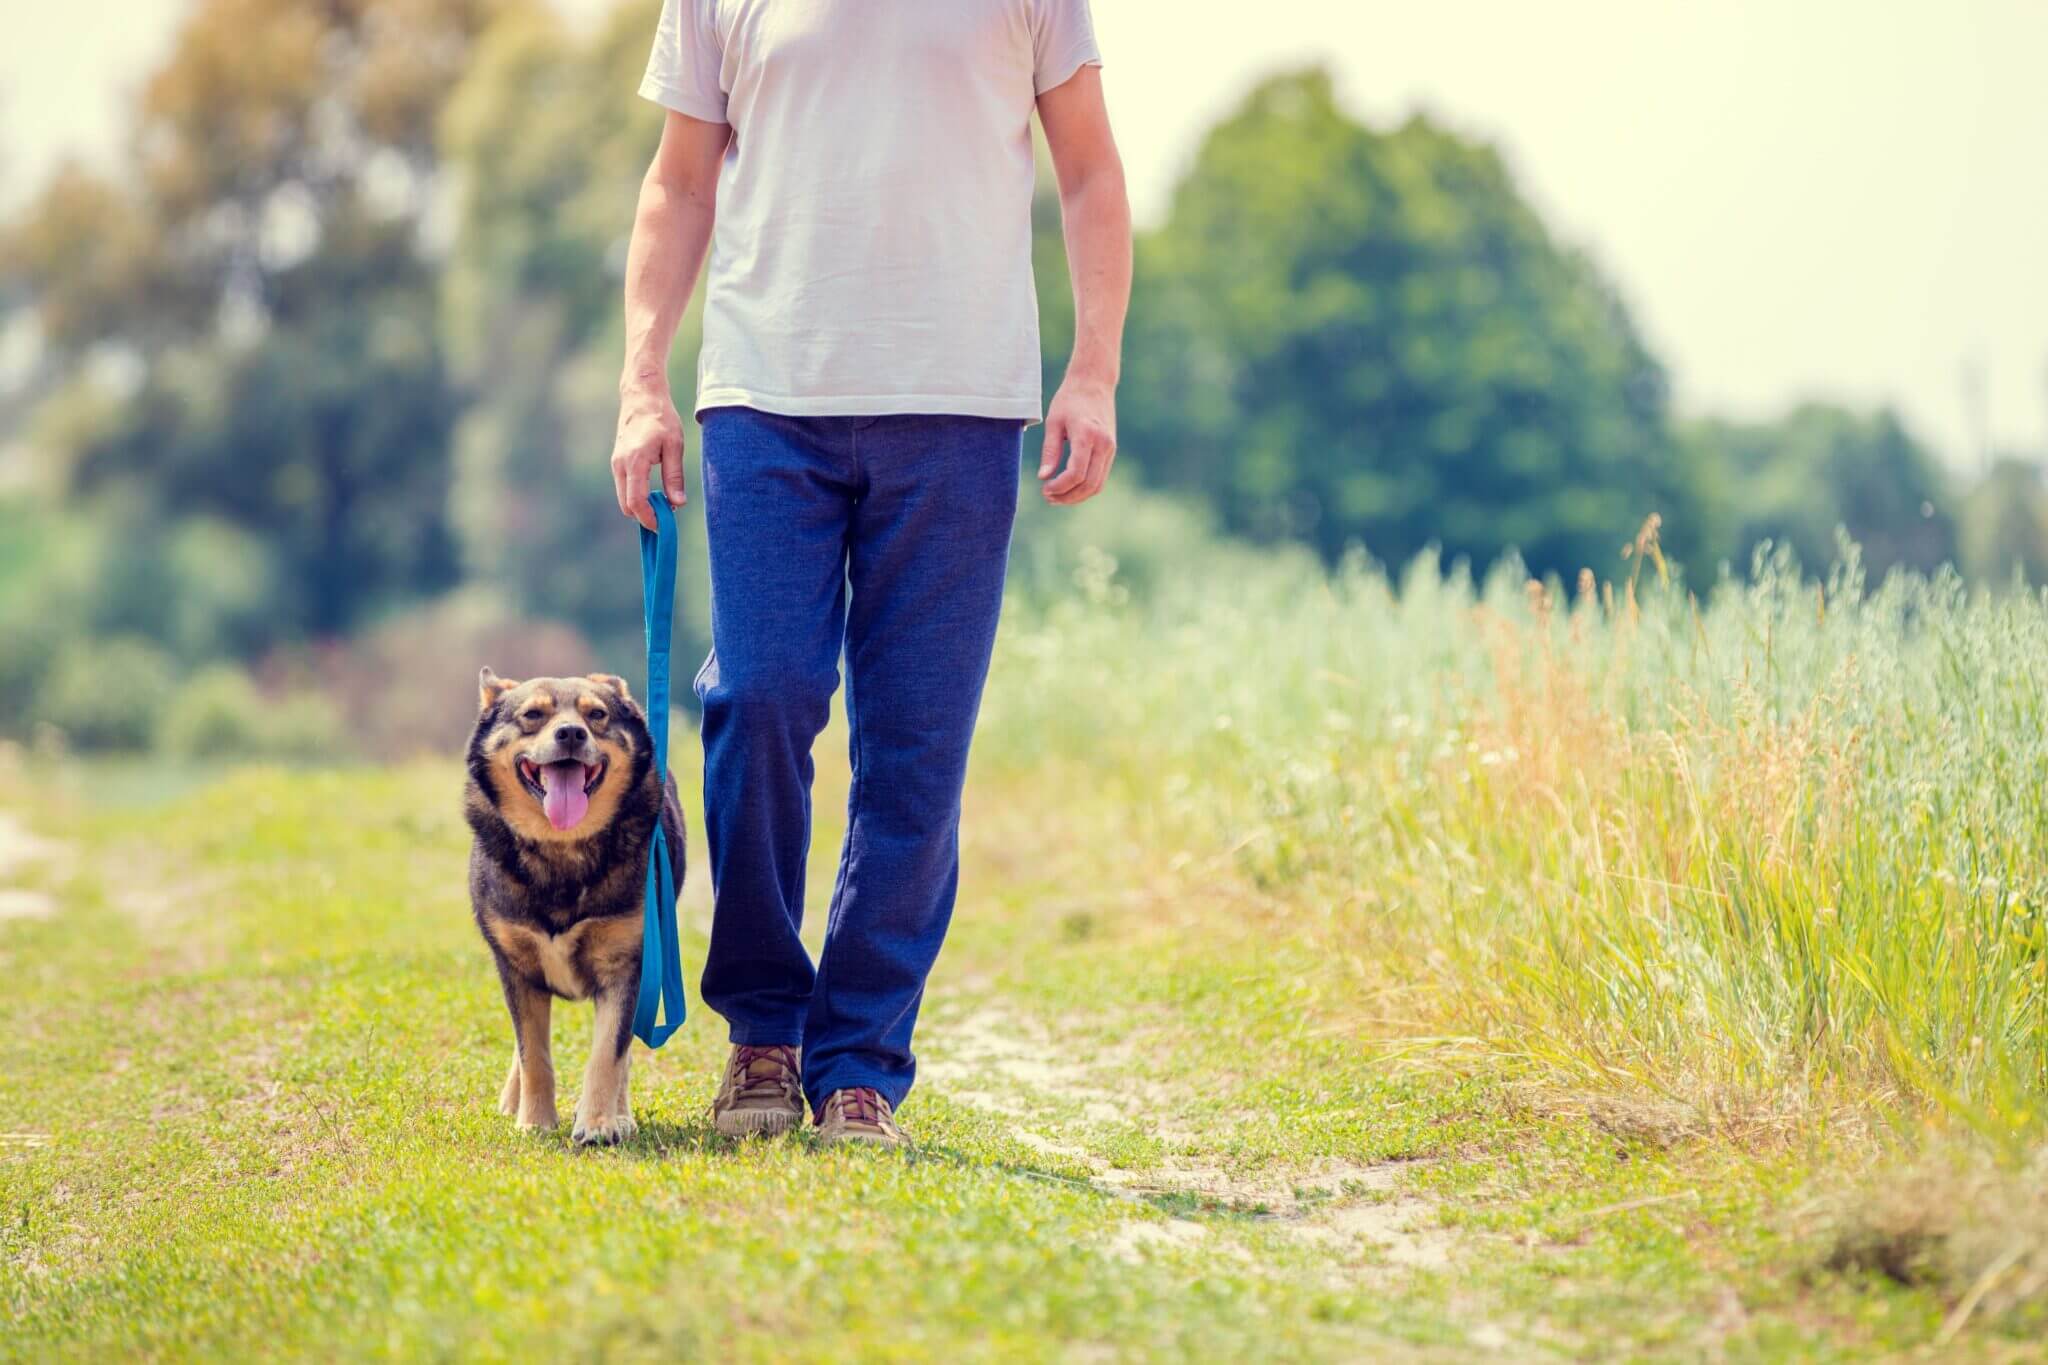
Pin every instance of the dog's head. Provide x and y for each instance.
(556, 756)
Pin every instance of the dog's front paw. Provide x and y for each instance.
(602, 1130)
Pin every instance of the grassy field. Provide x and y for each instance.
(1340, 971)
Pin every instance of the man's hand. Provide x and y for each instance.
(1083, 417)
(650, 434)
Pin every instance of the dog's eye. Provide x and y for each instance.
(533, 716)
(597, 715)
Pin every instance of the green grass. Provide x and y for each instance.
(1285, 1014)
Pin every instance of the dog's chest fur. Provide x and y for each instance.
(573, 963)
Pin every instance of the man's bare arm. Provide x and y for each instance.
(1095, 213)
(671, 230)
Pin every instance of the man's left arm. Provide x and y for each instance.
(1095, 214)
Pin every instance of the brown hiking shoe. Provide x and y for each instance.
(858, 1115)
(763, 1092)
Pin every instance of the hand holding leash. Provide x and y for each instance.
(650, 434)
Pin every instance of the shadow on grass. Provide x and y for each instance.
(1172, 1203)
(659, 1139)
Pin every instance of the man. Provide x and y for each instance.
(861, 172)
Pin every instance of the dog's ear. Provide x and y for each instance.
(613, 681)
(490, 687)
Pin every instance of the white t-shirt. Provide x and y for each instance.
(872, 251)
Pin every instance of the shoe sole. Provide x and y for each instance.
(740, 1123)
(862, 1139)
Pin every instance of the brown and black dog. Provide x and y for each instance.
(563, 798)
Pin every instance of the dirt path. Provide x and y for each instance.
(26, 858)
(988, 1055)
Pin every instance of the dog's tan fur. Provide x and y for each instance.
(603, 945)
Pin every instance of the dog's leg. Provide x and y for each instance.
(508, 1097)
(531, 1009)
(602, 1115)
(624, 1103)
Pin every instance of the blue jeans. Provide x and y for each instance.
(882, 539)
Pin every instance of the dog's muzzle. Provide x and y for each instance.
(562, 780)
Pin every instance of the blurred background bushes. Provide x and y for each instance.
(324, 378)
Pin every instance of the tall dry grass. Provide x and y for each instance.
(1768, 851)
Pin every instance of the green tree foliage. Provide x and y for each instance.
(1821, 468)
(218, 713)
(341, 328)
(2005, 522)
(550, 143)
(105, 693)
(264, 258)
(1343, 334)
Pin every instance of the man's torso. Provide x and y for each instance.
(872, 249)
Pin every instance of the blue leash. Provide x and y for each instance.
(661, 962)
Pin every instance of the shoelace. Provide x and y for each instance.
(863, 1107)
(764, 1073)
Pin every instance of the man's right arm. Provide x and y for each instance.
(671, 231)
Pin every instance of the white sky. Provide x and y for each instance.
(1799, 197)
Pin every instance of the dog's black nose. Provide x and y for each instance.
(569, 736)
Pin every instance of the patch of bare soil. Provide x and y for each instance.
(22, 851)
(1002, 1062)
(1382, 1215)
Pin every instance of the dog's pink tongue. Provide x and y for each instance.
(565, 802)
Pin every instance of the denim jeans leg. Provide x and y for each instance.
(778, 496)
(927, 554)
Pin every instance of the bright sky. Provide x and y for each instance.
(1799, 197)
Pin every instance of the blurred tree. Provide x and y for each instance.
(2005, 522)
(260, 266)
(344, 323)
(1796, 480)
(550, 144)
(1342, 334)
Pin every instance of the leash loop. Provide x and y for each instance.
(661, 964)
